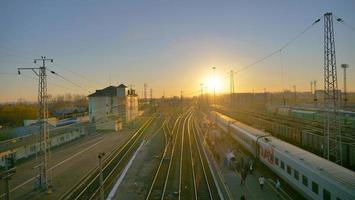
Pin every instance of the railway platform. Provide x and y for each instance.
(232, 179)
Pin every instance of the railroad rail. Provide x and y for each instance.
(206, 185)
(89, 186)
(183, 171)
(158, 187)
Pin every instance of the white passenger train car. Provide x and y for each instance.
(313, 176)
(29, 146)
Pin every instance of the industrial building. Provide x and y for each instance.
(113, 106)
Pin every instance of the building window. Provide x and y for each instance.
(315, 187)
(326, 195)
(276, 161)
(288, 169)
(282, 165)
(305, 180)
(295, 174)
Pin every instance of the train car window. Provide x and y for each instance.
(296, 174)
(282, 165)
(305, 180)
(326, 195)
(289, 169)
(276, 161)
(315, 187)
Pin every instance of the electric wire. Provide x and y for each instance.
(68, 80)
(280, 49)
(341, 21)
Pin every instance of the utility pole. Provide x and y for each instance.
(44, 178)
(6, 176)
(201, 90)
(345, 66)
(265, 97)
(311, 87)
(315, 94)
(151, 96)
(102, 194)
(295, 93)
(214, 86)
(231, 86)
(145, 93)
(332, 133)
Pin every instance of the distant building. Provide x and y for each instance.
(113, 102)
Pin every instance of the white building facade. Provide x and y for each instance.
(113, 102)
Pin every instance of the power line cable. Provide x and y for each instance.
(281, 48)
(341, 21)
(81, 75)
(68, 80)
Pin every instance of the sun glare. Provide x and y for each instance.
(214, 83)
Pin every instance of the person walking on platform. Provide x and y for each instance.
(278, 186)
(251, 167)
(243, 177)
(261, 182)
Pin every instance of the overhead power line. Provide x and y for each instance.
(70, 81)
(280, 49)
(81, 75)
(341, 21)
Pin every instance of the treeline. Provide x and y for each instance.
(12, 115)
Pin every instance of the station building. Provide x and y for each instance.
(113, 106)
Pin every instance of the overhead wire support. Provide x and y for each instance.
(44, 177)
(332, 133)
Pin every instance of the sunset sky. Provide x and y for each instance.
(170, 45)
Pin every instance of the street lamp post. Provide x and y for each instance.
(102, 195)
(214, 85)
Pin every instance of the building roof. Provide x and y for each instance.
(122, 86)
(108, 91)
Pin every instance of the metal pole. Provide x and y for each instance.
(44, 178)
(332, 132)
(102, 194)
(7, 177)
(345, 66)
(7, 188)
(214, 85)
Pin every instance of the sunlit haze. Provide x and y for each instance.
(171, 46)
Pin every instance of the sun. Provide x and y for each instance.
(214, 83)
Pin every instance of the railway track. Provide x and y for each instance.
(159, 185)
(89, 186)
(183, 171)
(187, 187)
(205, 185)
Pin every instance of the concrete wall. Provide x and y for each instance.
(124, 107)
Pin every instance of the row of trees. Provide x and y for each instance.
(13, 114)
